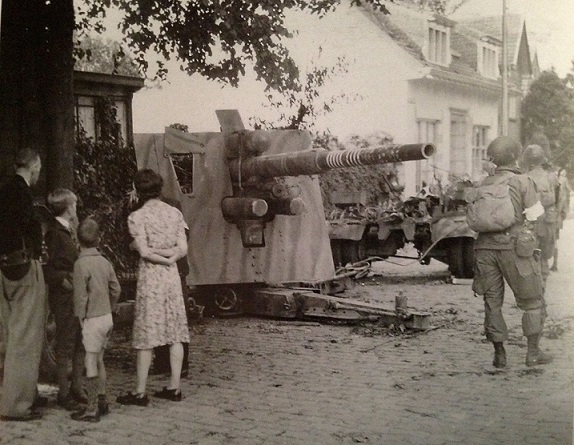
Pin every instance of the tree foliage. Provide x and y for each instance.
(215, 38)
(549, 108)
(442, 7)
(103, 56)
(103, 173)
(379, 183)
(299, 108)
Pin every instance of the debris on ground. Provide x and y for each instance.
(553, 330)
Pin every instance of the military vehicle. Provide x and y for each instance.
(434, 224)
(253, 204)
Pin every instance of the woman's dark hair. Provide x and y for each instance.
(148, 184)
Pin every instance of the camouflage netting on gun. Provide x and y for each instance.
(378, 183)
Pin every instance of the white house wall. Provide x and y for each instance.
(434, 100)
(376, 77)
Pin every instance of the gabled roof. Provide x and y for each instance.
(535, 65)
(398, 34)
(408, 28)
(492, 26)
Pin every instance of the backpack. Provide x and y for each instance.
(545, 190)
(489, 207)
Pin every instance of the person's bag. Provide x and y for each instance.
(15, 265)
(526, 242)
(489, 207)
(550, 215)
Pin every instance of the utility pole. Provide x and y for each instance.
(504, 126)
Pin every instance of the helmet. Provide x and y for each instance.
(539, 138)
(534, 155)
(503, 150)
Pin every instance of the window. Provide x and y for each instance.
(488, 60)
(479, 144)
(425, 168)
(88, 118)
(122, 118)
(438, 45)
(183, 166)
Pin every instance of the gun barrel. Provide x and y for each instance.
(311, 162)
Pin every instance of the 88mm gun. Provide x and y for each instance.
(252, 201)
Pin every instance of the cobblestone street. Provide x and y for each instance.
(257, 381)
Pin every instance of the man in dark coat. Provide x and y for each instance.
(23, 302)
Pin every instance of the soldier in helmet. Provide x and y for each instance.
(497, 258)
(547, 184)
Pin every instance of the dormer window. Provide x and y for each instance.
(488, 60)
(438, 44)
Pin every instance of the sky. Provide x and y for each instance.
(550, 26)
(192, 100)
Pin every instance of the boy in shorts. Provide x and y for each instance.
(96, 293)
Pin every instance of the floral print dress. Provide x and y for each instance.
(160, 317)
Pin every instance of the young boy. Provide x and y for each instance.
(62, 253)
(96, 293)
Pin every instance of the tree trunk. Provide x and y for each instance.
(36, 90)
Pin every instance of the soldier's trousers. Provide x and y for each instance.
(23, 307)
(491, 269)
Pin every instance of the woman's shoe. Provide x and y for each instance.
(133, 399)
(169, 394)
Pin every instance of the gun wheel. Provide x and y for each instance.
(226, 299)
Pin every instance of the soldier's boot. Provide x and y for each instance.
(534, 356)
(499, 355)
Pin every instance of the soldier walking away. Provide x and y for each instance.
(562, 209)
(508, 254)
(546, 186)
(23, 302)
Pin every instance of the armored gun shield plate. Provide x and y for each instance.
(296, 247)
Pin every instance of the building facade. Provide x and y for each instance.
(422, 77)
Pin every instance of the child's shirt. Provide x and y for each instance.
(96, 286)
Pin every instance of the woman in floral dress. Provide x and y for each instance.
(158, 230)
